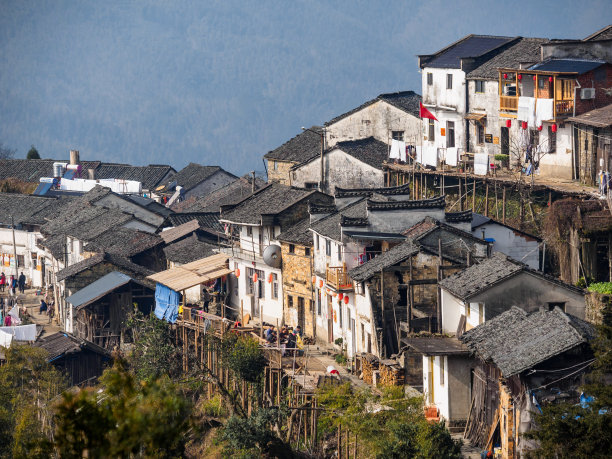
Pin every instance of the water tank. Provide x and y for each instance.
(58, 169)
(272, 256)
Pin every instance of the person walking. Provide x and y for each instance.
(2, 282)
(21, 282)
(12, 285)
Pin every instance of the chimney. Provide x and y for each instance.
(74, 157)
(91, 174)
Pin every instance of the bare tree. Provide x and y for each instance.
(6, 152)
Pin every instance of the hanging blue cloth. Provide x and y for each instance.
(166, 303)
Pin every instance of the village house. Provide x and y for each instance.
(193, 180)
(525, 361)
(254, 224)
(445, 90)
(486, 289)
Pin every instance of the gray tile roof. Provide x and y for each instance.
(330, 226)
(149, 204)
(385, 191)
(578, 66)
(516, 341)
(206, 220)
(126, 242)
(123, 264)
(188, 250)
(369, 151)
(600, 117)
(602, 34)
(299, 149)
(231, 193)
(31, 170)
(386, 259)
(62, 343)
(28, 209)
(298, 233)
(458, 217)
(481, 276)
(433, 203)
(526, 51)
(407, 101)
(192, 175)
(436, 345)
(150, 176)
(470, 46)
(268, 201)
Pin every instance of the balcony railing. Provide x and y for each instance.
(508, 103)
(337, 278)
(564, 107)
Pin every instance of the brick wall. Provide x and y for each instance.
(600, 79)
(278, 171)
(297, 283)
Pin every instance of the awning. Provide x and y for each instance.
(98, 289)
(194, 273)
(475, 116)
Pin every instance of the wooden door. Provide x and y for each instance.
(330, 320)
(301, 313)
(505, 141)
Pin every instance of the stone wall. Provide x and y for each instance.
(297, 284)
(595, 304)
(279, 171)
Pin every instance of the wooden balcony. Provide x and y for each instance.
(337, 278)
(564, 107)
(508, 103)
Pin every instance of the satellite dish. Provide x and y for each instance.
(272, 256)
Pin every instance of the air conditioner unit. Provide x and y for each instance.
(587, 93)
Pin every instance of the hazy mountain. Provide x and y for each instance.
(223, 82)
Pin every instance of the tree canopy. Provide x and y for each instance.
(33, 153)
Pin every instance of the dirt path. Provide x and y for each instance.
(31, 302)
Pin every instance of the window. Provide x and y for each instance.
(429, 78)
(291, 248)
(480, 133)
(311, 185)
(317, 241)
(480, 86)
(307, 251)
(397, 135)
(362, 336)
(249, 231)
(274, 165)
(274, 286)
(327, 247)
(310, 305)
(449, 81)
(554, 304)
(432, 131)
(319, 303)
(20, 261)
(339, 252)
(552, 140)
(249, 281)
(450, 134)
(261, 283)
(289, 301)
(480, 313)
(442, 370)
(340, 316)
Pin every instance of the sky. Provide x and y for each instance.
(224, 82)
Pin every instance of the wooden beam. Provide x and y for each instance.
(419, 282)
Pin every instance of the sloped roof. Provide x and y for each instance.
(28, 209)
(126, 242)
(525, 51)
(407, 101)
(31, 170)
(172, 234)
(363, 192)
(469, 46)
(384, 260)
(188, 250)
(149, 204)
(121, 262)
(206, 220)
(62, 343)
(150, 176)
(432, 203)
(192, 175)
(298, 233)
(436, 345)
(600, 117)
(578, 66)
(369, 151)
(330, 226)
(231, 193)
(516, 341)
(98, 289)
(602, 34)
(299, 149)
(268, 201)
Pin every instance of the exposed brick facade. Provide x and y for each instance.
(279, 171)
(600, 79)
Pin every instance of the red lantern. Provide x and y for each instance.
(505, 76)
(340, 296)
(524, 125)
(539, 128)
(535, 78)
(520, 77)
(270, 279)
(550, 79)
(320, 284)
(314, 279)
(346, 300)
(237, 272)
(508, 123)
(255, 277)
(554, 128)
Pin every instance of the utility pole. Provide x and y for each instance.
(14, 246)
(253, 182)
(322, 186)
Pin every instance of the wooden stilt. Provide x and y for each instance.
(504, 205)
(460, 196)
(474, 196)
(486, 211)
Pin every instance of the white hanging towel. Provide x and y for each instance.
(14, 313)
(430, 156)
(402, 150)
(5, 339)
(544, 111)
(525, 107)
(395, 151)
(419, 155)
(481, 163)
(22, 332)
(451, 156)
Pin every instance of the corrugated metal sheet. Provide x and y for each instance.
(194, 273)
(98, 289)
(579, 66)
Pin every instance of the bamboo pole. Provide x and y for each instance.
(486, 212)
(474, 196)
(504, 205)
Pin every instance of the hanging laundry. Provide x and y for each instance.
(402, 150)
(526, 110)
(451, 156)
(395, 150)
(419, 154)
(481, 163)
(22, 332)
(544, 111)
(5, 339)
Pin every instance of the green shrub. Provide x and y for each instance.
(500, 157)
(340, 359)
(601, 287)
(338, 341)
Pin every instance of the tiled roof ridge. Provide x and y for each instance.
(353, 221)
(455, 217)
(393, 190)
(316, 208)
(439, 202)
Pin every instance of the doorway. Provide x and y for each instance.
(505, 141)
(301, 313)
(330, 320)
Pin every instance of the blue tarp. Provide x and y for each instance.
(166, 303)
